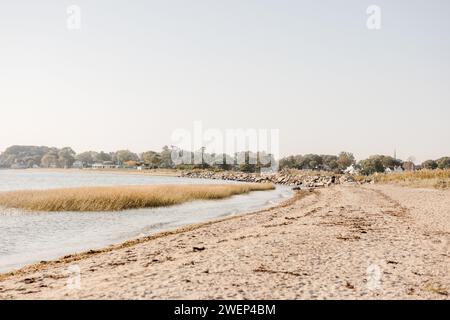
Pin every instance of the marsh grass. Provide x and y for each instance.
(439, 178)
(121, 198)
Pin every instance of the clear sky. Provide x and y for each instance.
(138, 70)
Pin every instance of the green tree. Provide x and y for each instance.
(287, 162)
(66, 157)
(224, 161)
(443, 163)
(123, 156)
(311, 161)
(390, 162)
(85, 157)
(329, 162)
(429, 164)
(345, 160)
(102, 157)
(371, 165)
(408, 166)
(151, 158)
(166, 157)
(25, 155)
(50, 160)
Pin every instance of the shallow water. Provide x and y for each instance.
(29, 237)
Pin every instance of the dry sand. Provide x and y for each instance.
(344, 242)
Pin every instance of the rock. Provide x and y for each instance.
(319, 184)
(287, 177)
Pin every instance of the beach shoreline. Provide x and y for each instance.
(326, 245)
(89, 253)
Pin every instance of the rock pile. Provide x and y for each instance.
(302, 180)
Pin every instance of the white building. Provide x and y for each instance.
(351, 170)
(104, 166)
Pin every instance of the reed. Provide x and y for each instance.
(439, 178)
(121, 198)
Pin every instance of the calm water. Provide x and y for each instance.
(29, 237)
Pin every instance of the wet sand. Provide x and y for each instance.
(343, 242)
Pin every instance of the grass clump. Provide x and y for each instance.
(438, 178)
(121, 198)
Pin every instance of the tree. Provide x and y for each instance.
(316, 162)
(429, 164)
(311, 161)
(287, 162)
(247, 161)
(102, 157)
(329, 162)
(123, 156)
(443, 163)
(30, 162)
(25, 155)
(408, 166)
(151, 158)
(49, 160)
(371, 165)
(390, 162)
(66, 157)
(166, 157)
(85, 157)
(7, 160)
(345, 160)
(224, 161)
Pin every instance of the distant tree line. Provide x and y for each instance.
(32, 156)
(247, 161)
(380, 163)
(46, 157)
(373, 164)
(319, 162)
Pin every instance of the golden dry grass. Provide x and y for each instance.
(438, 178)
(121, 198)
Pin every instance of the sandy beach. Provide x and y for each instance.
(342, 242)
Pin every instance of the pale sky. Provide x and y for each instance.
(138, 70)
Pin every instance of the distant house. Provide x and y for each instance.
(104, 165)
(351, 170)
(98, 166)
(395, 169)
(78, 164)
(18, 166)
